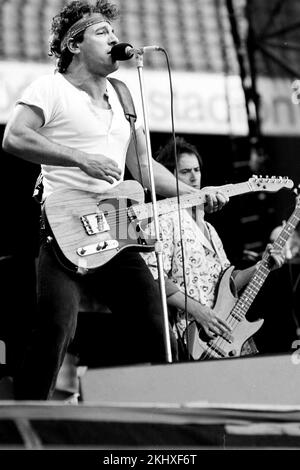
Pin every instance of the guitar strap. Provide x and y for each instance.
(125, 99)
(127, 103)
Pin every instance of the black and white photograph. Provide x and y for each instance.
(150, 235)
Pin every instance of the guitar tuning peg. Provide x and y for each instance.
(297, 190)
(273, 177)
(254, 176)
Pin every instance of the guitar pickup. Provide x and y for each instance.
(216, 350)
(95, 223)
(228, 337)
(99, 247)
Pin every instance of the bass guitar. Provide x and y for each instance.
(233, 310)
(89, 228)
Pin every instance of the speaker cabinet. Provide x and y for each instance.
(266, 380)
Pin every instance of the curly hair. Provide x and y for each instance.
(165, 155)
(69, 15)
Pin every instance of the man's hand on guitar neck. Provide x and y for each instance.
(215, 199)
(277, 256)
(277, 259)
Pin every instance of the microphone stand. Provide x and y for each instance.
(138, 54)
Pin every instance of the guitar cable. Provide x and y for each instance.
(178, 198)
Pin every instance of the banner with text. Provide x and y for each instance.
(203, 103)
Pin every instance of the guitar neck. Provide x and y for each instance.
(243, 304)
(142, 211)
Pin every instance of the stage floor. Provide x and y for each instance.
(52, 425)
(245, 403)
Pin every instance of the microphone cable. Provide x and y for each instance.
(125, 51)
(178, 199)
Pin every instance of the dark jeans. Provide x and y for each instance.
(125, 284)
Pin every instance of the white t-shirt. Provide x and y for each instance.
(73, 120)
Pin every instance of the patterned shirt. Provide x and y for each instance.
(204, 259)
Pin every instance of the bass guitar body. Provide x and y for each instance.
(229, 345)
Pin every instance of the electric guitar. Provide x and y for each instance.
(89, 229)
(234, 311)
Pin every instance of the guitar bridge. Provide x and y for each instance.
(95, 223)
(97, 247)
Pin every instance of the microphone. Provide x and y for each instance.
(125, 51)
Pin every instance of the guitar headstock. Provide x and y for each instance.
(270, 184)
